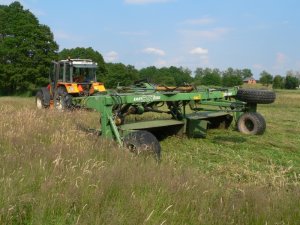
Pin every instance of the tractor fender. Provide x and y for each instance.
(46, 96)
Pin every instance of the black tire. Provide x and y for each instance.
(251, 123)
(143, 142)
(62, 100)
(256, 96)
(39, 100)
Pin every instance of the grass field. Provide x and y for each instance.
(53, 173)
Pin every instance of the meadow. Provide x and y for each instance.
(51, 172)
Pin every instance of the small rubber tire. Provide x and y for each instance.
(39, 100)
(62, 100)
(143, 142)
(251, 123)
(256, 96)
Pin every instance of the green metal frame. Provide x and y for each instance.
(114, 105)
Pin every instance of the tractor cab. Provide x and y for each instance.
(78, 76)
(69, 78)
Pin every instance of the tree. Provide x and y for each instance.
(211, 77)
(293, 73)
(86, 53)
(26, 50)
(149, 73)
(265, 78)
(181, 75)
(164, 77)
(291, 82)
(199, 73)
(120, 74)
(278, 82)
(157, 76)
(167, 76)
(246, 73)
(232, 77)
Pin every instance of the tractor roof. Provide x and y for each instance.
(82, 63)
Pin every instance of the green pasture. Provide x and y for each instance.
(54, 173)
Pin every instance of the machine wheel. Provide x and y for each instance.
(256, 96)
(251, 123)
(39, 100)
(143, 142)
(62, 100)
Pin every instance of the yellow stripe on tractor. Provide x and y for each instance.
(72, 88)
(98, 87)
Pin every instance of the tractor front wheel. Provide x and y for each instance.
(62, 100)
(39, 100)
(143, 143)
(251, 123)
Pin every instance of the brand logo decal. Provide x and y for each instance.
(146, 98)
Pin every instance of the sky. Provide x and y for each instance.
(255, 34)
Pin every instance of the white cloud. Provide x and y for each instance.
(111, 56)
(201, 21)
(199, 51)
(140, 2)
(202, 55)
(154, 51)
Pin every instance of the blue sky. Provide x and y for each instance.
(255, 34)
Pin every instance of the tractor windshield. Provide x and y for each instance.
(84, 75)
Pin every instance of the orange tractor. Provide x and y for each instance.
(69, 78)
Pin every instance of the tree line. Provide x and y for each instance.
(114, 74)
(290, 81)
(28, 47)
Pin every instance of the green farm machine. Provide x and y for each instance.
(187, 111)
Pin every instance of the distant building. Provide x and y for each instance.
(249, 80)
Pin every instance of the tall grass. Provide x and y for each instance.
(53, 173)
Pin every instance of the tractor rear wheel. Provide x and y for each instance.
(143, 143)
(256, 96)
(251, 123)
(62, 100)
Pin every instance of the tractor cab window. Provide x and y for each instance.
(90, 74)
(83, 75)
(68, 73)
(61, 72)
